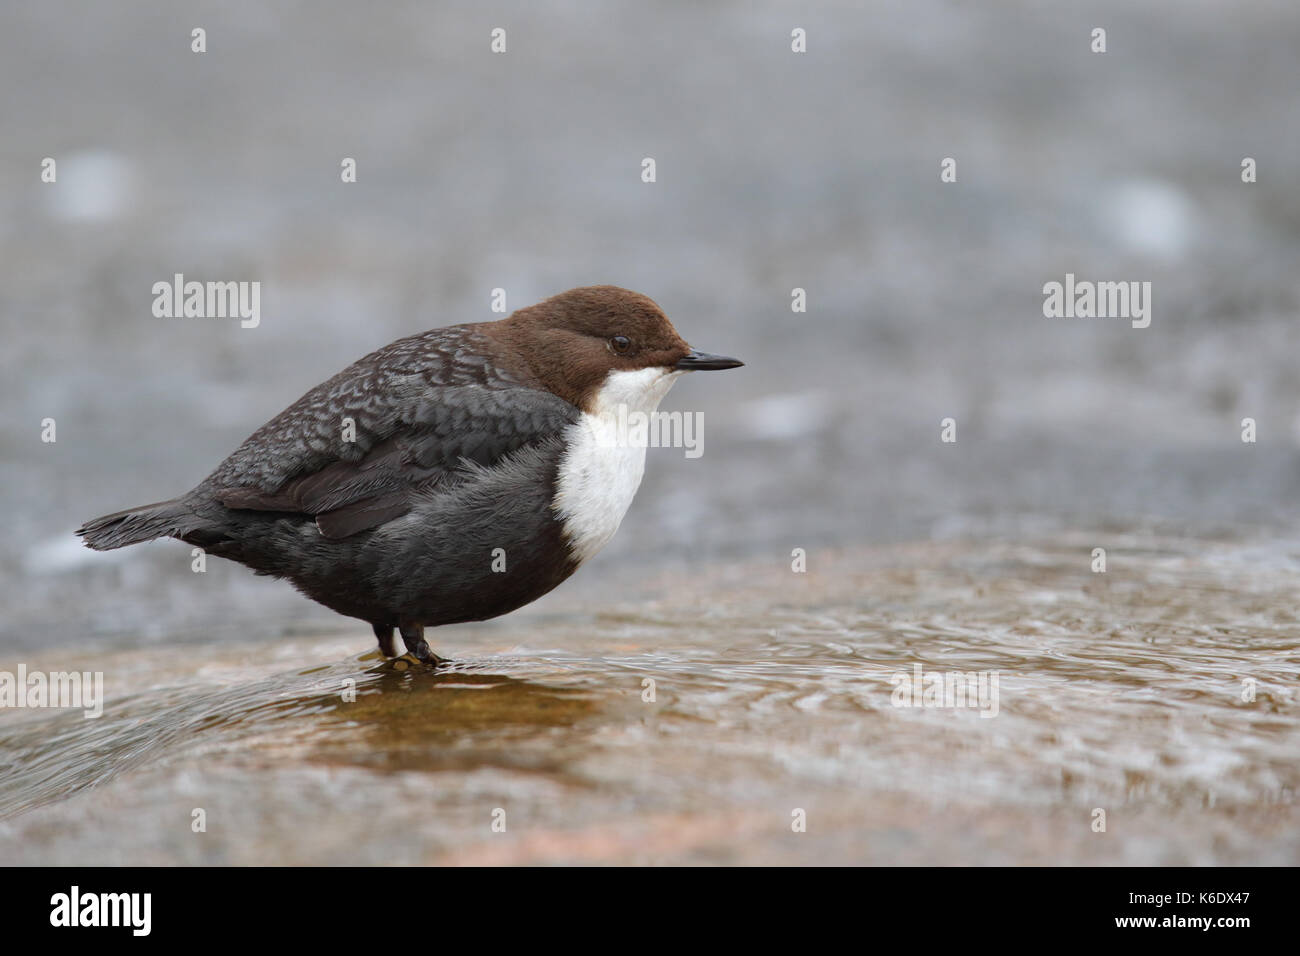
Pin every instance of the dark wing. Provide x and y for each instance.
(414, 411)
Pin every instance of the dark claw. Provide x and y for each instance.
(413, 637)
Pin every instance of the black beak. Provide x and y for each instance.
(697, 361)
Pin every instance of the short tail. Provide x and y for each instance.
(159, 520)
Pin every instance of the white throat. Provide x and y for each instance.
(601, 469)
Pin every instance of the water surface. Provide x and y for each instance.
(772, 694)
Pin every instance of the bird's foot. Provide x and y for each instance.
(384, 634)
(417, 647)
(433, 661)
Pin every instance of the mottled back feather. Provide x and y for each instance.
(418, 411)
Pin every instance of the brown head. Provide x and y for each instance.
(571, 342)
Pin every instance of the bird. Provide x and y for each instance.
(453, 475)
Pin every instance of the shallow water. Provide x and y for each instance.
(1120, 691)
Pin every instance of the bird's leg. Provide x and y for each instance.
(384, 634)
(413, 636)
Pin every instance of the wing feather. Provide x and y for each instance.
(416, 412)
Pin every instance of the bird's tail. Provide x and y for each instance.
(159, 520)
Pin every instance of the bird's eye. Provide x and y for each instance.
(620, 345)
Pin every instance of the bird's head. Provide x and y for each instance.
(601, 343)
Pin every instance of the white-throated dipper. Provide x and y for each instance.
(395, 491)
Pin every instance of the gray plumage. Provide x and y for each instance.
(453, 457)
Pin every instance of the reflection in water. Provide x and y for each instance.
(385, 715)
(471, 717)
(1162, 692)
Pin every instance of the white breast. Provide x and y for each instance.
(600, 470)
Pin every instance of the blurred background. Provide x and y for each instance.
(775, 170)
